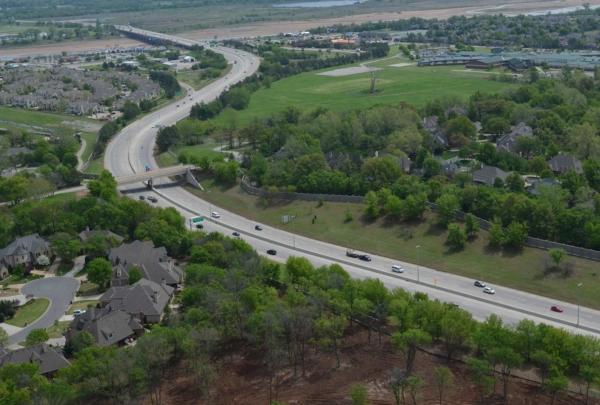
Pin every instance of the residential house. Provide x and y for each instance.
(49, 359)
(536, 186)
(108, 327)
(3, 272)
(487, 175)
(145, 300)
(88, 233)
(508, 142)
(431, 125)
(563, 163)
(24, 251)
(154, 263)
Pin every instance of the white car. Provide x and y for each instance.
(215, 214)
(397, 269)
(489, 290)
(79, 312)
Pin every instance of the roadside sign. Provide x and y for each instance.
(196, 220)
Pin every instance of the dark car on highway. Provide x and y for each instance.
(556, 308)
(258, 227)
(479, 284)
(236, 234)
(152, 199)
(272, 252)
(365, 258)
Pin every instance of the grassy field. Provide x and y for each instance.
(522, 271)
(29, 312)
(170, 158)
(58, 329)
(88, 288)
(411, 84)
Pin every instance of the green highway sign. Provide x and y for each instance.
(196, 220)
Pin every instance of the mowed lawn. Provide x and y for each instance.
(522, 271)
(29, 312)
(411, 84)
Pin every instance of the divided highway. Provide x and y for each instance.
(131, 152)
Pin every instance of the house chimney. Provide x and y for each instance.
(155, 297)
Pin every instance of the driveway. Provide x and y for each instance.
(59, 290)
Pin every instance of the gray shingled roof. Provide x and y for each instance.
(106, 326)
(488, 174)
(145, 297)
(27, 244)
(90, 233)
(564, 162)
(156, 265)
(48, 358)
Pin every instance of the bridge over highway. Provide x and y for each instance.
(149, 175)
(155, 37)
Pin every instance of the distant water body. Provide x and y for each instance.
(319, 4)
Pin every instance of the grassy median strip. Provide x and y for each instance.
(29, 312)
(520, 270)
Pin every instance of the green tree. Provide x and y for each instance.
(447, 205)
(130, 110)
(329, 331)
(496, 235)
(3, 338)
(481, 373)
(508, 359)
(515, 235)
(65, 246)
(36, 336)
(456, 328)
(358, 394)
(471, 226)
(557, 255)
(444, 379)
(555, 384)
(134, 275)
(515, 183)
(104, 187)
(456, 237)
(99, 271)
(78, 342)
(408, 342)
(13, 189)
(167, 137)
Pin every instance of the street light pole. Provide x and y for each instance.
(578, 286)
(418, 267)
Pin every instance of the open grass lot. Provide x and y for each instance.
(58, 329)
(90, 142)
(44, 119)
(522, 271)
(170, 158)
(411, 84)
(29, 312)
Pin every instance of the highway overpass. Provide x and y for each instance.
(149, 176)
(155, 37)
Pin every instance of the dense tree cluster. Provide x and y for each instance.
(576, 30)
(167, 82)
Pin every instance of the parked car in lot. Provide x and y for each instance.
(199, 226)
(258, 227)
(151, 198)
(236, 234)
(365, 258)
(397, 269)
(489, 290)
(271, 252)
(215, 214)
(556, 308)
(478, 283)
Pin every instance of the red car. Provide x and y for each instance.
(556, 308)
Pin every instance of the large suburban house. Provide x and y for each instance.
(144, 299)
(108, 327)
(487, 175)
(509, 142)
(563, 163)
(153, 263)
(49, 359)
(24, 251)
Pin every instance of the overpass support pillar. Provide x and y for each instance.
(149, 184)
(189, 177)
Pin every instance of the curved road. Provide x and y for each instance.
(59, 290)
(132, 150)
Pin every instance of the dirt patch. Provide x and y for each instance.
(242, 379)
(399, 65)
(349, 71)
(70, 47)
(277, 27)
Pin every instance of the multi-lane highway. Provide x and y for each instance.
(132, 151)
